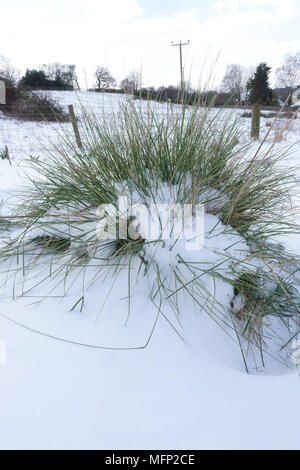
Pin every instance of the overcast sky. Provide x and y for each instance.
(137, 34)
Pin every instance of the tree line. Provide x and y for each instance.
(64, 77)
(253, 85)
(22, 103)
(51, 77)
(239, 84)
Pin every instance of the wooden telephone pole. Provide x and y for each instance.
(181, 44)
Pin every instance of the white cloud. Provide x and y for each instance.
(273, 8)
(114, 32)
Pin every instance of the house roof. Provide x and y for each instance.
(296, 96)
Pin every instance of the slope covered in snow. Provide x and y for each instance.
(172, 394)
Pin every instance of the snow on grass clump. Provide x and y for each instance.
(171, 210)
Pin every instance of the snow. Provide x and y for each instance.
(168, 395)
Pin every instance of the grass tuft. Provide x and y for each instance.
(183, 155)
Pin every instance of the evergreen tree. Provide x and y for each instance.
(34, 79)
(51, 77)
(258, 87)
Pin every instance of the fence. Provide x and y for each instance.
(29, 137)
(26, 133)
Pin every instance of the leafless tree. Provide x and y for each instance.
(11, 77)
(235, 80)
(288, 75)
(7, 72)
(104, 79)
(132, 83)
(65, 72)
(74, 77)
(54, 70)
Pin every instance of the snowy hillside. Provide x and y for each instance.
(88, 379)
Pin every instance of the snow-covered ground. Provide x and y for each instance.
(170, 395)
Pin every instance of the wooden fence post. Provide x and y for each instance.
(75, 126)
(7, 154)
(255, 122)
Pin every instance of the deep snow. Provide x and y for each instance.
(170, 395)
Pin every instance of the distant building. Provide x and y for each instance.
(283, 93)
(2, 92)
(296, 96)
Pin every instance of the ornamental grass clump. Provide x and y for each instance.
(87, 211)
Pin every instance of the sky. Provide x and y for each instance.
(136, 34)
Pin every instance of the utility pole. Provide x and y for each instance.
(181, 44)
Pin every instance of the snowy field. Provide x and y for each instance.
(170, 395)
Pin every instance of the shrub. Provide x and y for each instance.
(4, 154)
(288, 114)
(173, 94)
(35, 79)
(26, 105)
(284, 114)
(246, 115)
(51, 77)
(187, 156)
(36, 107)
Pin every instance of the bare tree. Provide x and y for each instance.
(10, 76)
(104, 79)
(53, 71)
(235, 80)
(74, 77)
(68, 74)
(288, 75)
(132, 83)
(8, 72)
(65, 73)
